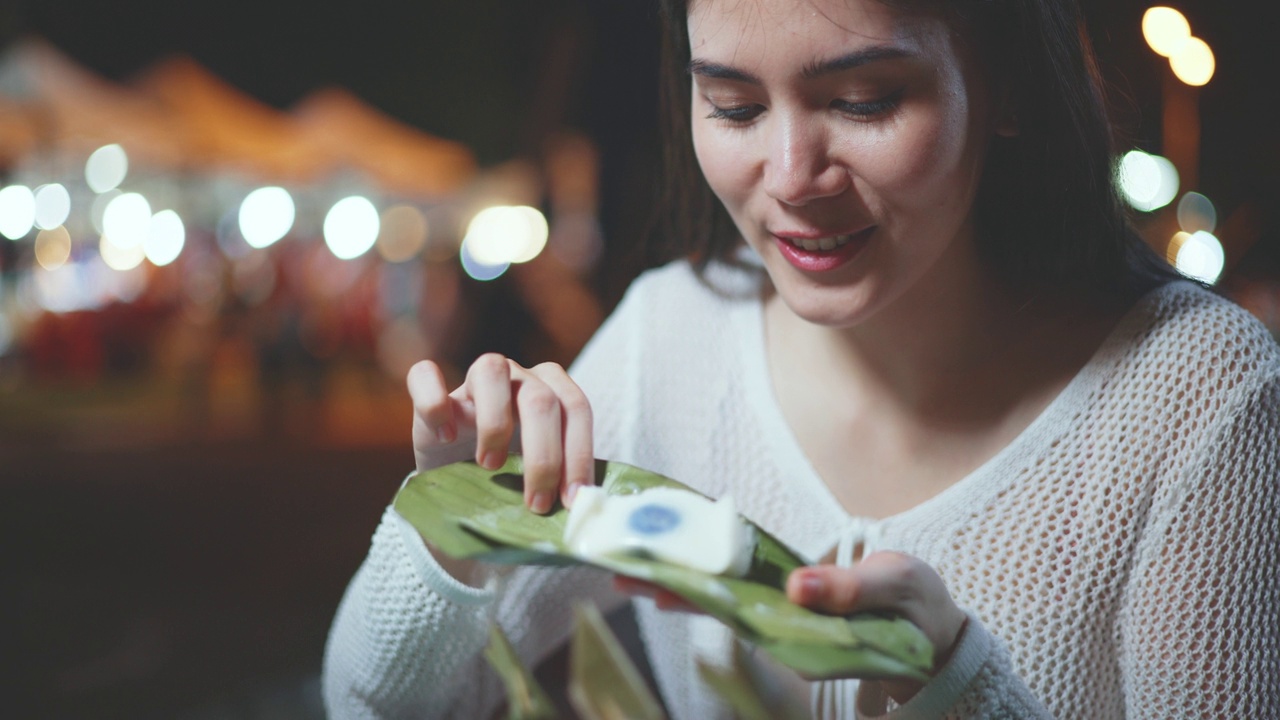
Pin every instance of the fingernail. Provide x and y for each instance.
(445, 434)
(489, 461)
(570, 492)
(812, 586)
(542, 501)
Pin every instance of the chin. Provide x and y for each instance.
(832, 307)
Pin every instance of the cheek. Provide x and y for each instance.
(723, 164)
(917, 164)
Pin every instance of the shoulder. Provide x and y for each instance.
(1189, 361)
(1185, 324)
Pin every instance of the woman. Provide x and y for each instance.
(916, 341)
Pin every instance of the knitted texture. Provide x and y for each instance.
(1119, 559)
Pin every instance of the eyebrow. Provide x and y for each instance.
(848, 61)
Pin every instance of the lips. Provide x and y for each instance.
(813, 253)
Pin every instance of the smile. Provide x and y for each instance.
(822, 254)
(818, 244)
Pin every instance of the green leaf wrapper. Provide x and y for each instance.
(467, 511)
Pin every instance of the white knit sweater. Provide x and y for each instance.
(1119, 559)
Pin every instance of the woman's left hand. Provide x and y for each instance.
(888, 582)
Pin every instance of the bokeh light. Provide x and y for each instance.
(506, 234)
(99, 208)
(119, 257)
(1198, 255)
(53, 206)
(351, 227)
(478, 270)
(17, 211)
(1193, 63)
(1196, 212)
(266, 215)
(1148, 182)
(106, 168)
(165, 239)
(127, 221)
(1165, 30)
(403, 233)
(53, 248)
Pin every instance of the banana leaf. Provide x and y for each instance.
(467, 511)
(603, 682)
(526, 700)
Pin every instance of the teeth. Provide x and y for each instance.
(826, 243)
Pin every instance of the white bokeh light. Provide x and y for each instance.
(106, 168)
(351, 227)
(121, 258)
(1193, 62)
(1200, 256)
(478, 270)
(1196, 212)
(1148, 182)
(127, 221)
(17, 211)
(1165, 30)
(504, 234)
(266, 215)
(166, 238)
(53, 206)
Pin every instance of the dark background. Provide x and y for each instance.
(196, 579)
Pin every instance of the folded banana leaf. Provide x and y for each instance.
(467, 511)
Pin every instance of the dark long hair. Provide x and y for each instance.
(1047, 210)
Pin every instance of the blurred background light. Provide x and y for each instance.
(1148, 182)
(106, 168)
(99, 208)
(121, 257)
(165, 238)
(1198, 255)
(403, 233)
(1165, 30)
(1193, 63)
(505, 234)
(127, 220)
(536, 239)
(17, 211)
(1196, 212)
(351, 227)
(266, 215)
(53, 206)
(477, 269)
(53, 248)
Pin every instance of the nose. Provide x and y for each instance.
(799, 167)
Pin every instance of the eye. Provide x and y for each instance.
(870, 109)
(736, 114)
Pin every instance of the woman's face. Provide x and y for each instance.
(846, 140)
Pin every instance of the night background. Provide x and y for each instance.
(188, 481)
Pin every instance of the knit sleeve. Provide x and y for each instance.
(976, 682)
(1199, 630)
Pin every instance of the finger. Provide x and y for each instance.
(882, 581)
(578, 453)
(488, 385)
(431, 403)
(541, 443)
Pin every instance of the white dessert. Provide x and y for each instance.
(675, 526)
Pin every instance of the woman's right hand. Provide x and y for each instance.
(499, 399)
